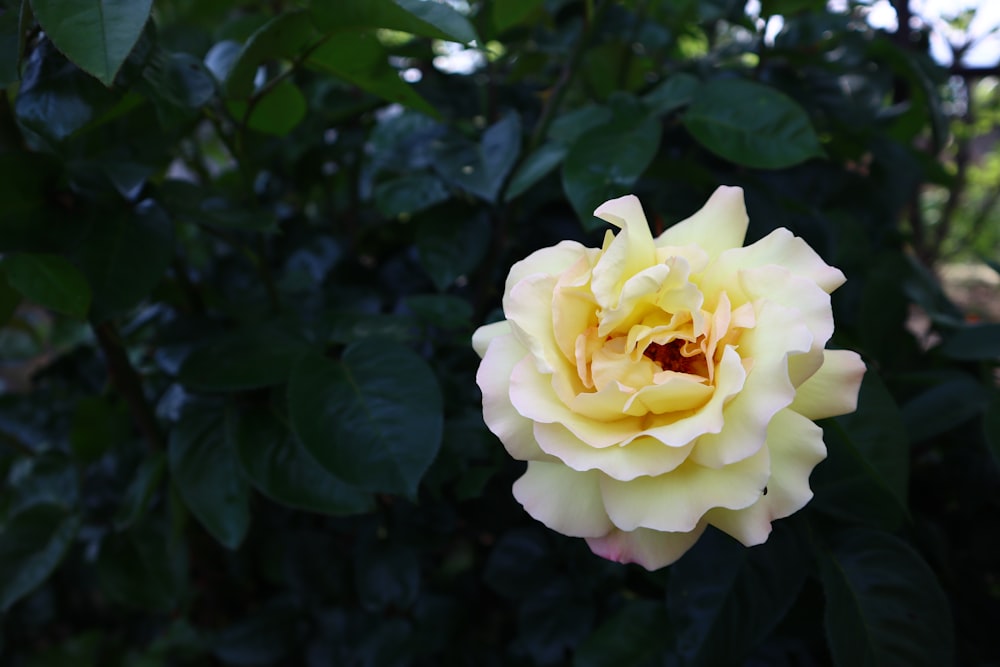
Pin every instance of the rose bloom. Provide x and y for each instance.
(656, 386)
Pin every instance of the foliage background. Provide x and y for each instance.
(245, 245)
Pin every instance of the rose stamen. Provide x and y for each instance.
(670, 357)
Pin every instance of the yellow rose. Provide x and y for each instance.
(656, 386)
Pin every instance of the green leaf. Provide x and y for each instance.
(409, 194)
(140, 490)
(204, 206)
(537, 166)
(125, 257)
(864, 477)
(449, 246)
(98, 425)
(206, 472)
(509, 13)
(280, 467)
(481, 169)
(606, 162)
(673, 93)
(283, 37)
(884, 606)
(945, 405)
(247, 358)
(50, 281)
(373, 418)
(751, 125)
(359, 59)
(437, 20)
(724, 599)
(975, 342)
(10, 48)
(638, 635)
(278, 111)
(569, 127)
(97, 35)
(141, 568)
(32, 543)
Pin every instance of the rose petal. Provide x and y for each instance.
(676, 501)
(721, 224)
(833, 389)
(642, 456)
(796, 446)
(563, 499)
(486, 333)
(528, 307)
(513, 430)
(652, 549)
(630, 252)
(550, 261)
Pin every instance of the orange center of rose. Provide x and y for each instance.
(671, 357)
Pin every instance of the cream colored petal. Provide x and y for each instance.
(796, 446)
(676, 501)
(528, 307)
(721, 224)
(563, 499)
(532, 395)
(680, 392)
(642, 456)
(630, 252)
(652, 549)
(550, 261)
(493, 377)
(768, 389)
(486, 333)
(779, 248)
(729, 381)
(833, 389)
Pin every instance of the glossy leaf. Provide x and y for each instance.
(32, 543)
(483, 168)
(276, 111)
(449, 247)
(372, 418)
(751, 124)
(674, 92)
(952, 400)
(537, 166)
(205, 470)
(50, 281)
(724, 598)
(884, 606)
(140, 490)
(283, 37)
(97, 35)
(512, 12)
(410, 194)
(427, 19)
(280, 467)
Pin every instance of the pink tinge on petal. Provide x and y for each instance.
(651, 549)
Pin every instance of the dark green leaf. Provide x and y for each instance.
(359, 59)
(671, 94)
(638, 635)
(975, 342)
(10, 48)
(606, 162)
(280, 467)
(569, 127)
(427, 19)
(945, 405)
(32, 543)
(482, 169)
(203, 206)
(450, 247)
(868, 457)
(751, 124)
(48, 478)
(140, 490)
(373, 418)
(409, 194)
(98, 425)
(442, 311)
(724, 599)
(537, 166)
(205, 470)
(884, 605)
(276, 111)
(140, 568)
(97, 35)
(50, 281)
(246, 358)
(284, 37)
(509, 13)
(125, 257)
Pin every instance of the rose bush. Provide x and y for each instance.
(656, 386)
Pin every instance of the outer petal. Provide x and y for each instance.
(678, 500)
(641, 457)
(651, 549)
(796, 446)
(833, 389)
(499, 414)
(486, 333)
(548, 261)
(565, 500)
(721, 224)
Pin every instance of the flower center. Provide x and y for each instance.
(670, 357)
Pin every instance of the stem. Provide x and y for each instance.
(126, 380)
